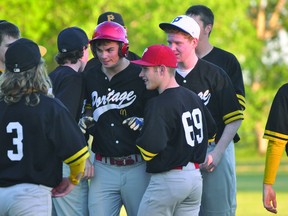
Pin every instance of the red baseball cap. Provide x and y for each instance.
(157, 55)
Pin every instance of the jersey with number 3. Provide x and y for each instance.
(35, 140)
(175, 131)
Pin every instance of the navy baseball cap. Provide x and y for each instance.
(22, 55)
(111, 16)
(72, 39)
(157, 55)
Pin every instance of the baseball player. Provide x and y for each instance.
(173, 140)
(276, 131)
(8, 34)
(68, 87)
(115, 92)
(216, 91)
(37, 134)
(110, 17)
(226, 60)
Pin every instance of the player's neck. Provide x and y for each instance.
(112, 71)
(76, 67)
(189, 64)
(203, 49)
(169, 83)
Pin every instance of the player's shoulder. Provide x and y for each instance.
(133, 69)
(51, 103)
(210, 68)
(62, 72)
(222, 52)
(132, 56)
(283, 91)
(91, 64)
(284, 87)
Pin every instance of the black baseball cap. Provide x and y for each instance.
(22, 55)
(111, 16)
(72, 39)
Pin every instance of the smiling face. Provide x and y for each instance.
(151, 77)
(108, 53)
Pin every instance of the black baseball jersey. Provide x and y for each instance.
(175, 131)
(229, 63)
(277, 124)
(215, 89)
(35, 140)
(113, 101)
(68, 87)
(94, 61)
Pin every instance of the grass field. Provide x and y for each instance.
(249, 188)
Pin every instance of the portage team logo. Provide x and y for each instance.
(113, 100)
(205, 97)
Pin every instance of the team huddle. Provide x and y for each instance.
(154, 134)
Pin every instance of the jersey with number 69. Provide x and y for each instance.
(35, 140)
(175, 131)
(215, 89)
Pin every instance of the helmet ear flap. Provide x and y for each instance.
(123, 49)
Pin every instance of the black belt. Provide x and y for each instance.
(119, 161)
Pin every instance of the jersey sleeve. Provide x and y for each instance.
(153, 137)
(231, 109)
(67, 137)
(277, 124)
(236, 77)
(211, 125)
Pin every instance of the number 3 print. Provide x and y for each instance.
(16, 141)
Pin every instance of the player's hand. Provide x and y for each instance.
(269, 198)
(135, 123)
(85, 123)
(63, 188)
(89, 170)
(212, 160)
(207, 163)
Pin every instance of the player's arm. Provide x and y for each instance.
(153, 136)
(215, 156)
(147, 156)
(77, 164)
(274, 152)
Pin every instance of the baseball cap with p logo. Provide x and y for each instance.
(111, 16)
(183, 23)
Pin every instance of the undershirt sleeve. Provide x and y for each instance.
(273, 157)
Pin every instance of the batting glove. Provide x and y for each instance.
(85, 123)
(135, 123)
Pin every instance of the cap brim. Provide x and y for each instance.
(166, 26)
(143, 63)
(43, 50)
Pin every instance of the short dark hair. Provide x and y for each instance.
(73, 57)
(95, 43)
(204, 12)
(8, 29)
